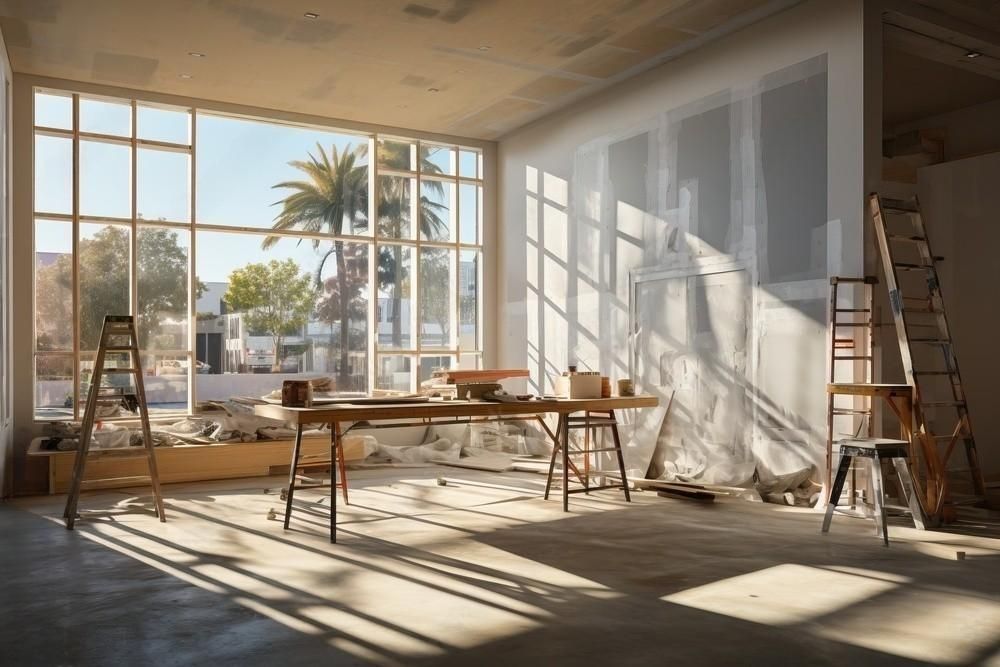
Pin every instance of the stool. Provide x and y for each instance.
(875, 450)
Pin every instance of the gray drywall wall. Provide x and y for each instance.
(742, 159)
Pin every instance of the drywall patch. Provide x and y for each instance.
(36, 11)
(578, 46)
(123, 68)
(421, 11)
(548, 88)
(603, 61)
(416, 81)
(318, 31)
(498, 116)
(15, 32)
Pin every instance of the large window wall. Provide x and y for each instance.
(249, 251)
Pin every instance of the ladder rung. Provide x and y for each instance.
(911, 239)
(118, 370)
(931, 341)
(923, 311)
(851, 324)
(852, 357)
(851, 411)
(580, 452)
(941, 404)
(933, 373)
(898, 205)
(906, 266)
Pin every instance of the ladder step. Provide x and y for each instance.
(931, 341)
(933, 373)
(898, 205)
(852, 310)
(118, 370)
(851, 411)
(574, 452)
(941, 404)
(906, 266)
(911, 239)
(923, 311)
(852, 357)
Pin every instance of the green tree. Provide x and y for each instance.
(162, 270)
(274, 298)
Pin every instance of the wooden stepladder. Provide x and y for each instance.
(927, 351)
(118, 342)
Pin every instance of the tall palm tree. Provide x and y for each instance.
(335, 190)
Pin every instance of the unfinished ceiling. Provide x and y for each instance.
(475, 68)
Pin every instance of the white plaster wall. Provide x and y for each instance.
(565, 255)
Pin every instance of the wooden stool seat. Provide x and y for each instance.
(875, 450)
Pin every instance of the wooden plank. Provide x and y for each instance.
(195, 463)
(686, 494)
(442, 409)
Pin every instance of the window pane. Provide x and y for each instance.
(437, 289)
(53, 387)
(105, 251)
(54, 111)
(158, 124)
(467, 163)
(468, 209)
(166, 380)
(470, 362)
(53, 174)
(164, 185)
(395, 203)
(430, 364)
(105, 179)
(437, 210)
(104, 117)
(53, 285)
(241, 163)
(397, 155)
(339, 328)
(437, 159)
(394, 372)
(262, 319)
(162, 283)
(468, 300)
(395, 302)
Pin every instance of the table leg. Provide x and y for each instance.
(621, 457)
(334, 467)
(296, 450)
(552, 460)
(564, 440)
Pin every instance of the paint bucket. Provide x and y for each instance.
(296, 394)
(626, 387)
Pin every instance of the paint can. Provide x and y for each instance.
(626, 387)
(296, 394)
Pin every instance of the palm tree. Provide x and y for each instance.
(335, 190)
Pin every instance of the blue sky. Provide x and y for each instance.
(238, 163)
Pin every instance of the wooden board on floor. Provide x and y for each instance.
(191, 463)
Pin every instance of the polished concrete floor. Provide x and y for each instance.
(483, 571)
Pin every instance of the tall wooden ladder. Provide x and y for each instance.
(848, 350)
(118, 342)
(926, 349)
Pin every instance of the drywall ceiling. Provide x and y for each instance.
(916, 88)
(475, 68)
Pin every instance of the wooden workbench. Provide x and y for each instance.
(443, 412)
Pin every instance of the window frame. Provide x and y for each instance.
(373, 240)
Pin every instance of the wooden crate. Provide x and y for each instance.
(190, 463)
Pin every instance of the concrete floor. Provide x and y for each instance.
(483, 571)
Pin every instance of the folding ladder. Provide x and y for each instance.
(118, 340)
(926, 347)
